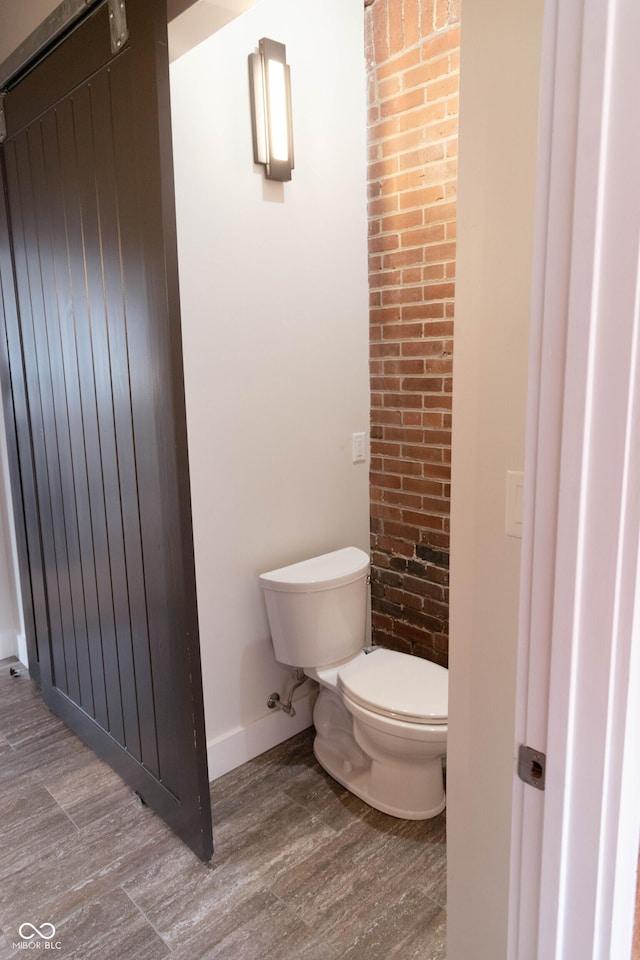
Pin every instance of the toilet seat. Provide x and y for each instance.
(397, 685)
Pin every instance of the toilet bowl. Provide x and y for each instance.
(380, 716)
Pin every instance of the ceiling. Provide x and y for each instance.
(199, 20)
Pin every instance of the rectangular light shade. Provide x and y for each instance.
(270, 86)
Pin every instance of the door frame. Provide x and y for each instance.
(575, 846)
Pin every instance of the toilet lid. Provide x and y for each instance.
(398, 685)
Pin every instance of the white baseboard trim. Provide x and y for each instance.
(235, 747)
(8, 644)
(23, 656)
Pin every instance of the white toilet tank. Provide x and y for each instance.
(317, 608)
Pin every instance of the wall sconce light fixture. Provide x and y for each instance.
(270, 86)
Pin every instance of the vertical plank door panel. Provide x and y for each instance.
(91, 358)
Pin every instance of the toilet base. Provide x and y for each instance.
(375, 782)
(357, 782)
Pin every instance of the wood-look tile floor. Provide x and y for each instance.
(302, 870)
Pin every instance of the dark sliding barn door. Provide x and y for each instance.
(94, 405)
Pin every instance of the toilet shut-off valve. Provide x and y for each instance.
(275, 703)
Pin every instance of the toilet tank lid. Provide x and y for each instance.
(398, 685)
(318, 573)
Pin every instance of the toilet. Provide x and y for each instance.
(380, 716)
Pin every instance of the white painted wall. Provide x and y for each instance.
(500, 62)
(275, 325)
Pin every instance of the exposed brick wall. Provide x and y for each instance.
(412, 49)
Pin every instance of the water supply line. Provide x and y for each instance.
(275, 703)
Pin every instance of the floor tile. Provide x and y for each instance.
(109, 928)
(31, 822)
(411, 928)
(253, 846)
(302, 870)
(86, 865)
(339, 892)
(90, 792)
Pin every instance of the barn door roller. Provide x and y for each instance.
(118, 24)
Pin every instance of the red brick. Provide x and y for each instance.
(422, 197)
(411, 418)
(436, 402)
(419, 117)
(402, 295)
(442, 87)
(398, 64)
(402, 531)
(386, 278)
(385, 128)
(441, 17)
(425, 347)
(440, 213)
(385, 315)
(439, 291)
(385, 349)
(385, 383)
(400, 498)
(441, 43)
(432, 233)
(383, 168)
(404, 366)
(400, 221)
(380, 31)
(421, 384)
(402, 103)
(387, 480)
(435, 272)
(424, 311)
(404, 434)
(403, 468)
(436, 471)
(442, 129)
(442, 365)
(396, 31)
(403, 331)
(424, 72)
(418, 158)
(422, 486)
(389, 87)
(421, 452)
(411, 275)
(403, 258)
(412, 189)
(435, 506)
(383, 205)
(405, 141)
(411, 13)
(427, 16)
(402, 400)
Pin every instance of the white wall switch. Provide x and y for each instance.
(514, 513)
(359, 447)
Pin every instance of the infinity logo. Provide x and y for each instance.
(36, 933)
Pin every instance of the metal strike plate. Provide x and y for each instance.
(117, 24)
(532, 766)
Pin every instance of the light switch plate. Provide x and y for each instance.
(358, 447)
